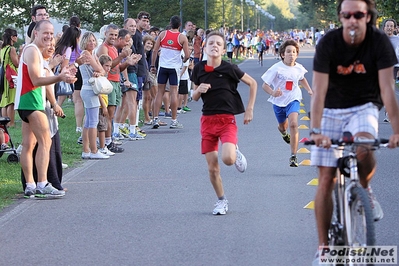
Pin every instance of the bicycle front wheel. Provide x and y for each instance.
(360, 223)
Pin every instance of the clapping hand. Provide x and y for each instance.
(68, 74)
(133, 59)
(56, 60)
(126, 51)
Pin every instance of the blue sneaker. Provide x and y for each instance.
(135, 137)
(168, 115)
(117, 136)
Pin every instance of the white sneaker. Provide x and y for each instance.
(378, 214)
(106, 151)
(241, 161)
(85, 155)
(316, 260)
(221, 207)
(64, 166)
(98, 155)
(181, 111)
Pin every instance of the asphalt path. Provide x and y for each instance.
(152, 204)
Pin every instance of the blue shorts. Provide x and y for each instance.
(282, 113)
(165, 74)
(363, 118)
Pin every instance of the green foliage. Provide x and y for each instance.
(94, 14)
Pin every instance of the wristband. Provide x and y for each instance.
(152, 66)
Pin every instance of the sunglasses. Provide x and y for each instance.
(145, 17)
(356, 15)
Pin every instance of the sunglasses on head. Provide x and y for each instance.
(356, 15)
(145, 17)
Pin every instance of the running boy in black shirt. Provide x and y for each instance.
(216, 83)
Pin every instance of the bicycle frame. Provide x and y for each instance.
(346, 195)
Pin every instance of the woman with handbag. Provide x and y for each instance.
(67, 46)
(10, 61)
(90, 68)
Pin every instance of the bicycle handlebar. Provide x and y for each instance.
(355, 141)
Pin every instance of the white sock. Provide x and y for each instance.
(108, 141)
(31, 185)
(132, 129)
(116, 128)
(41, 184)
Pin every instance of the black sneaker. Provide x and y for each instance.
(287, 138)
(113, 148)
(293, 161)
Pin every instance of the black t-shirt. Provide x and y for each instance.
(353, 71)
(130, 68)
(141, 67)
(222, 97)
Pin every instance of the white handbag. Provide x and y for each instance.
(101, 85)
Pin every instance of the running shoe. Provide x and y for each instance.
(80, 140)
(378, 214)
(117, 136)
(221, 207)
(49, 192)
(136, 136)
(64, 165)
(98, 155)
(85, 155)
(317, 261)
(180, 111)
(155, 125)
(386, 120)
(168, 115)
(29, 192)
(112, 147)
(117, 142)
(124, 131)
(186, 108)
(286, 137)
(106, 151)
(241, 162)
(175, 124)
(293, 161)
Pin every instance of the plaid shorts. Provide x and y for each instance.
(362, 118)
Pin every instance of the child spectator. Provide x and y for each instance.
(106, 63)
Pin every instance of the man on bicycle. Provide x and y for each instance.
(352, 78)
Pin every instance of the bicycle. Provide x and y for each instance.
(352, 222)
